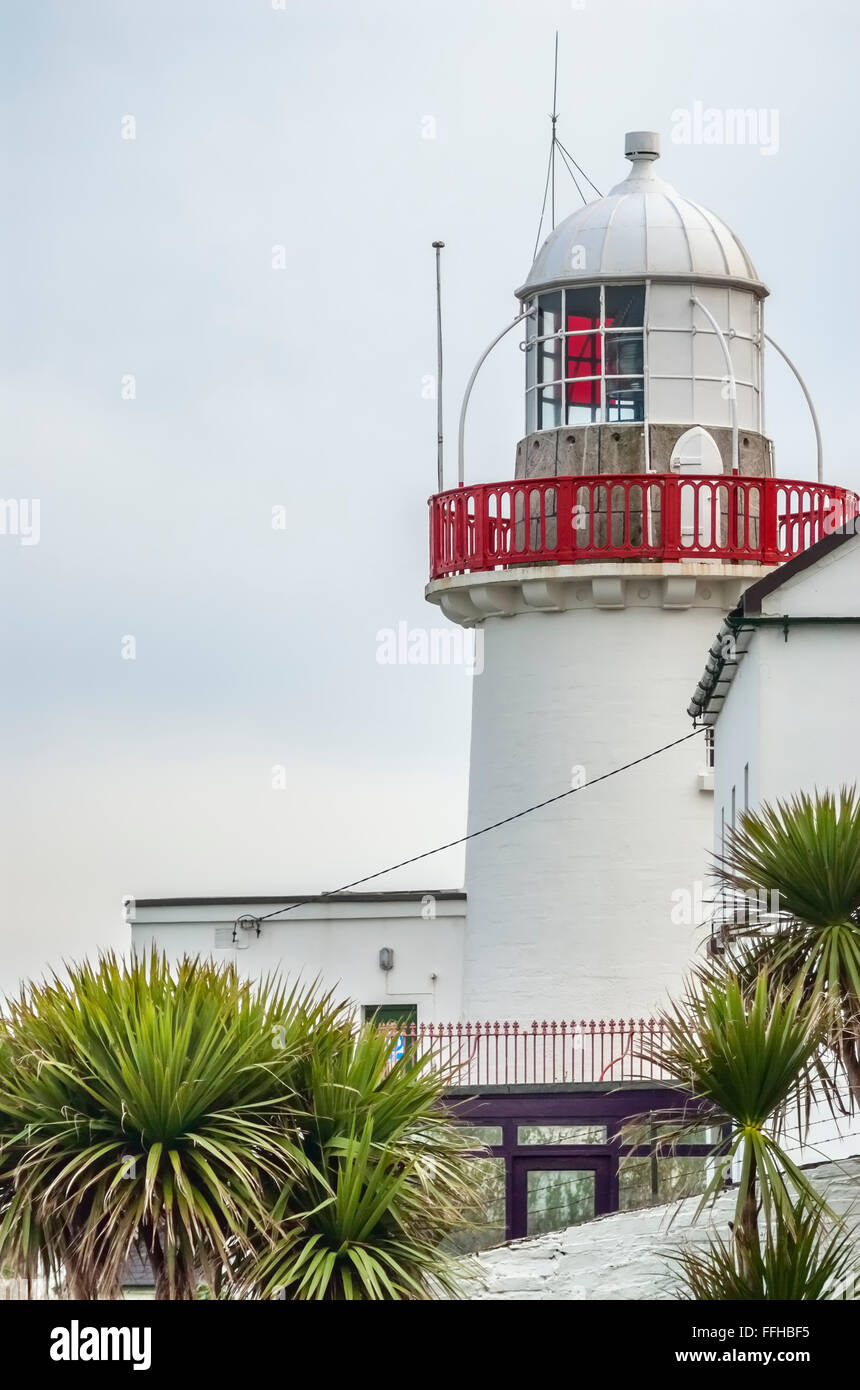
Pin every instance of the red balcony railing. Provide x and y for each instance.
(631, 516)
(506, 1054)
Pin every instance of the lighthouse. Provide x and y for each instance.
(643, 502)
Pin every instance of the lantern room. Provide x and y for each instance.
(644, 401)
(644, 341)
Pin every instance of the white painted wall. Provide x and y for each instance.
(737, 744)
(570, 908)
(789, 717)
(336, 941)
(790, 710)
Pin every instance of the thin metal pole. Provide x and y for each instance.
(736, 464)
(554, 120)
(818, 444)
(461, 433)
(440, 471)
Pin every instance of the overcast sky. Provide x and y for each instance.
(296, 379)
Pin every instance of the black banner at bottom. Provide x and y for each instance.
(86, 1340)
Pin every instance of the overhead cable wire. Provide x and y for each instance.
(496, 825)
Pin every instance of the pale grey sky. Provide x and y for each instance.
(256, 387)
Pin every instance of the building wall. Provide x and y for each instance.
(789, 711)
(571, 908)
(808, 723)
(738, 745)
(337, 942)
(789, 718)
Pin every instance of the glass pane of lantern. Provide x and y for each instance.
(579, 414)
(557, 1198)
(625, 306)
(625, 400)
(531, 411)
(582, 355)
(549, 408)
(531, 363)
(549, 314)
(582, 398)
(582, 310)
(550, 359)
(623, 354)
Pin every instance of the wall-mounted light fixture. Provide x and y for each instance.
(386, 958)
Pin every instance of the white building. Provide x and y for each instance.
(394, 954)
(777, 692)
(778, 687)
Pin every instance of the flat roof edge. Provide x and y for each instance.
(399, 896)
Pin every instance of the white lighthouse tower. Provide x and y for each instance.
(643, 503)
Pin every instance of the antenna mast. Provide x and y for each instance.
(437, 246)
(554, 120)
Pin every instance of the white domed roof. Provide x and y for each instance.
(642, 229)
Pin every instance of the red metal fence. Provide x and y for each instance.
(547, 1053)
(631, 516)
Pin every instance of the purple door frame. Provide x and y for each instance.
(508, 1107)
(563, 1161)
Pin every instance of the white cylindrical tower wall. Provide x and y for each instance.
(570, 909)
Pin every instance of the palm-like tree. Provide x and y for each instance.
(141, 1105)
(795, 868)
(385, 1181)
(241, 1136)
(747, 1053)
(804, 1258)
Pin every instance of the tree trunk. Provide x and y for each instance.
(748, 1236)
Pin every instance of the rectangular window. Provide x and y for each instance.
(668, 1132)
(644, 1182)
(390, 1015)
(483, 1136)
(558, 1198)
(484, 1225)
(561, 1134)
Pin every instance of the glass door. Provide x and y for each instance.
(553, 1192)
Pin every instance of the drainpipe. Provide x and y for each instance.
(694, 299)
